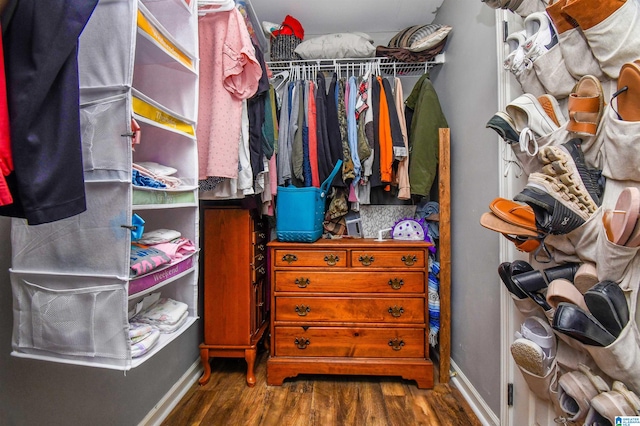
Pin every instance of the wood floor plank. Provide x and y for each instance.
(316, 400)
(372, 409)
(448, 408)
(323, 402)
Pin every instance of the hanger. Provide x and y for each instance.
(279, 79)
(205, 6)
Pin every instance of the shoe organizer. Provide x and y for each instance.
(621, 148)
(106, 147)
(527, 151)
(70, 317)
(553, 74)
(529, 82)
(79, 244)
(578, 245)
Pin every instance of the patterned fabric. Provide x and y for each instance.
(434, 301)
(408, 36)
(348, 172)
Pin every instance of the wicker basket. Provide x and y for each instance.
(283, 47)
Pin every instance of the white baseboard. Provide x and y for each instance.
(486, 416)
(163, 408)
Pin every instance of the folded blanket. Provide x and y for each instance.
(144, 345)
(164, 312)
(176, 249)
(137, 329)
(146, 258)
(170, 328)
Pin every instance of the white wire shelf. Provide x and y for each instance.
(382, 65)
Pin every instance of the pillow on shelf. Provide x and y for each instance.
(337, 46)
(417, 38)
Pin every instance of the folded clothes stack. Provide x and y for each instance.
(143, 337)
(166, 315)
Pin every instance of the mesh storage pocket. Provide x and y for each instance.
(103, 61)
(106, 150)
(55, 314)
(91, 243)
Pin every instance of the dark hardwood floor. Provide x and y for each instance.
(316, 401)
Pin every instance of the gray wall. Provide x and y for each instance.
(467, 88)
(44, 393)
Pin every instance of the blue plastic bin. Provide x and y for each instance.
(300, 211)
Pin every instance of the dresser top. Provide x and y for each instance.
(352, 243)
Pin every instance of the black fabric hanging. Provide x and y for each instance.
(41, 63)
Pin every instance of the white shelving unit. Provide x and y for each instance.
(71, 284)
(386, 66)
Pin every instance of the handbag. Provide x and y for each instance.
(285, 40)
(300, 211)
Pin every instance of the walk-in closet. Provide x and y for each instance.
(256, 212)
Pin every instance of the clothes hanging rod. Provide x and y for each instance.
(385, 65)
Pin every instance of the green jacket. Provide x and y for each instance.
(427, 119)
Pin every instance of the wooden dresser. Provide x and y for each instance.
(235, 285)
(351, 306)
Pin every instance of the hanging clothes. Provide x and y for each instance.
(41, 64)
(312, 122)
(385, 138)
(351, 95)
(375, 179)
(297, 112)
(426, 120)
(402, 174)
(348, 172)
(256, 111)
(283, 160)
(229, 74)
(322, 131)
(333, 127)
(6, 158)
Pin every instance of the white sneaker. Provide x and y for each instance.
(540, 34)
(515, 59)
(527, 112)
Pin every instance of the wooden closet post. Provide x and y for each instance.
(444, 195)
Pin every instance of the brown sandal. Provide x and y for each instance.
(586, 104)
(514, 213)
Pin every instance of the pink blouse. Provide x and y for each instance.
(229, 73)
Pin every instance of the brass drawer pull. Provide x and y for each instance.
(396, 344)
(331, 259)
(396, 312)
(302, 310)
(409, 259)
(289, 258)
(366, 260)
(396, 283)
(302, 343)
(303, 282)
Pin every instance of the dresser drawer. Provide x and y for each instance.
(350, 309)
(388, 259)
(356, 342)
(295, 258)
(353, 282)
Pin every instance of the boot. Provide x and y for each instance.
(612, 29)
(576, 52)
